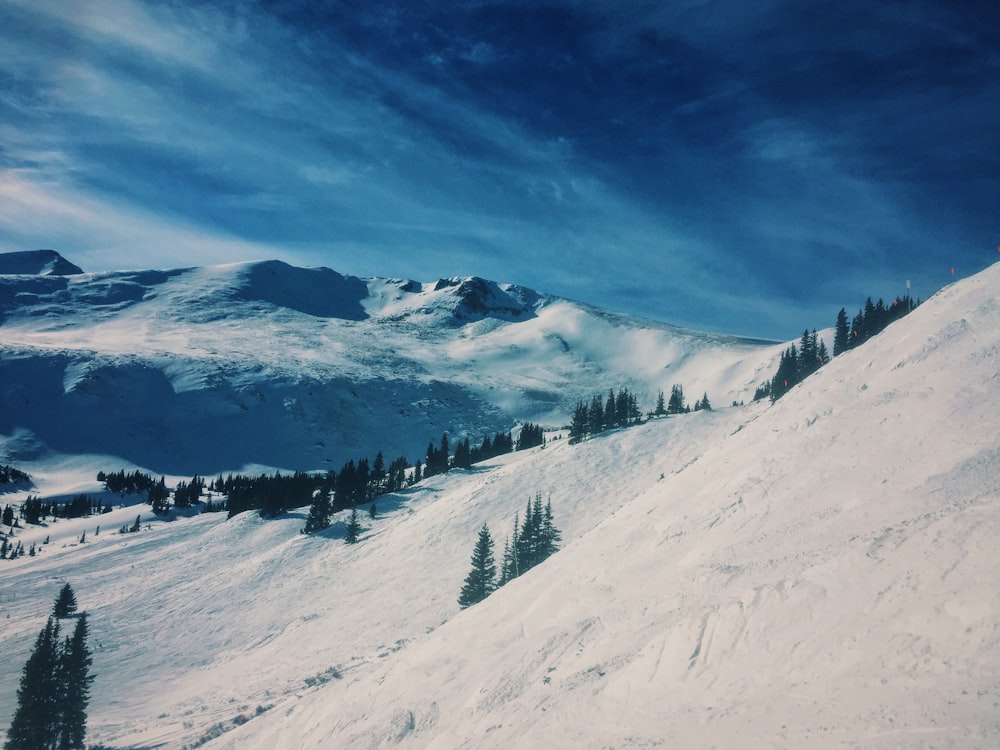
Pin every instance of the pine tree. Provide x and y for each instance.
(579, 427)
(676, 403)
(353, 528)
(661, 407)
(319, 512)
(36, 720)
(610, 411)
(550, 534)
(514, 569)
(506, 564)
(481, 580)
(65, 603)
(595, 417)
(74, 683)
(841, 333)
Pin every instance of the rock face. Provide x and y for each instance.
(37, 263)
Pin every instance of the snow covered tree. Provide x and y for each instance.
(481, 580)
(65, 603)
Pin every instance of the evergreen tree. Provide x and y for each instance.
(463, 454)
(353, 528)
(36, 720)
(481, 580)
(858, 334)
(579, 427)
(378, 471)
(507, 570)
(551, 537)
(822, 355)
(661, 407)
(595, 417)
(841, 333)
(74, 683)
(610, 412)
(676, 403)
(65, 603)
(319, 512)
(787, 375)
(527, 540)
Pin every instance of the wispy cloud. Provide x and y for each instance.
(712, 166)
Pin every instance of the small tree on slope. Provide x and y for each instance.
(353, 528)
(481, 580)
(65, 603)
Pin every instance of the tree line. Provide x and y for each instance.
(599, 415)
(798, 363)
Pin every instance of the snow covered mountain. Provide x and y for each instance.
(815, 573)
(212, 369)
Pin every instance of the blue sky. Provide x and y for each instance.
(731, 166)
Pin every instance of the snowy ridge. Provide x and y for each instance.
(211, 369)
(817, 573)
(37, 263)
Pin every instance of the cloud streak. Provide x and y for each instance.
(711, 166)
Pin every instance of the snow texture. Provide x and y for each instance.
(815, 573)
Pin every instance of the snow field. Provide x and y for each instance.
(817, 573)
(822, 577)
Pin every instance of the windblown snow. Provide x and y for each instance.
(816, 573)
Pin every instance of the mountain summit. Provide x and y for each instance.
(37, 263)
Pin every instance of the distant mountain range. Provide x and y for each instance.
(217, 368)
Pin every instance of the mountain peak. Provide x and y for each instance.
(37, 263)
(479, 297)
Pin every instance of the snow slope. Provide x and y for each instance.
(817, 573)
(212, 369)
(824, 576)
